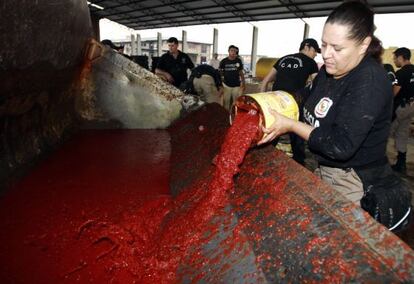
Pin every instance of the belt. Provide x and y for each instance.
(373, 164)
(332, 167)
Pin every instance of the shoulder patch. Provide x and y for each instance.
(322, 108)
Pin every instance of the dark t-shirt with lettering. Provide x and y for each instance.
(292, 72)
(177, 67)
(351, 116)
(231, 71)
(405, 79)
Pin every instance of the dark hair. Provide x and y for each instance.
(360, 20)
(310, 42)
(172, 40)
(404, 52)
(233, 46)
(388, 67)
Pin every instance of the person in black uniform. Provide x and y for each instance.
(348, 117)
(403, 104)
(172, 66)
(290, 74)
(231, 68)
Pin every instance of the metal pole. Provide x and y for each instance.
(159, 44)
(184, 46)
(254, 50)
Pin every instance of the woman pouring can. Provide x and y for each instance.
(266, 103)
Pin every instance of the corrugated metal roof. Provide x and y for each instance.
(149, 14)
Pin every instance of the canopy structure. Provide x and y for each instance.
(150, 14)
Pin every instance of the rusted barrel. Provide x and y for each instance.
(292, 227)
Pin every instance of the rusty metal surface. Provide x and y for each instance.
(296, 228)
(43, 31)
(41, 55)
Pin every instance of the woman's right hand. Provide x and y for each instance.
(281, 125)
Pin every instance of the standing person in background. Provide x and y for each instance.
(403, 104)
(231, 68)
(348, 117)
(172, 66)
(290, 74)
(214, 61)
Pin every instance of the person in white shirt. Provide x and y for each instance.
(214, 61)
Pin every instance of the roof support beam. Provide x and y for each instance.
(146, 14)
(173, 15)
(217, 18)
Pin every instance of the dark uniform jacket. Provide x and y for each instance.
(177, 67)
(352, 116)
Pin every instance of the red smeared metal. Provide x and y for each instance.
(337, 253)
(280, 219)
(188, 222)
(281, 208)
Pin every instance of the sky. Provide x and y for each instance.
(275, 38)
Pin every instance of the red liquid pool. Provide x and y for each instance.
(99, 210)
(65, 219)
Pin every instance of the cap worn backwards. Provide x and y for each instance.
(311, 43)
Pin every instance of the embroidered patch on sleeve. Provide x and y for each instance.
(322, 108)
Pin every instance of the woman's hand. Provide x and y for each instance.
(281, 125)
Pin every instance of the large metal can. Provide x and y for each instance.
(263, 103)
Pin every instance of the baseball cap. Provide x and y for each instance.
(310, 42)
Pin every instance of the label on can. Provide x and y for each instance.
(279, 101)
